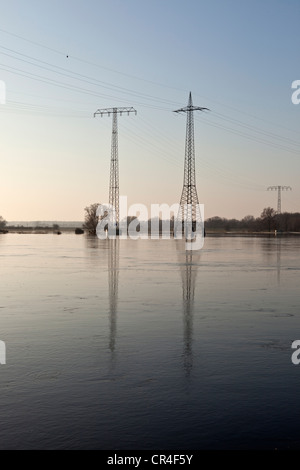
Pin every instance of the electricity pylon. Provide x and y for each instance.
(189, 213)
(279, 189)
(114, 161)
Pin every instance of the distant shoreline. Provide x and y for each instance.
(61, 231)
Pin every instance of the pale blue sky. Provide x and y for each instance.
(237, 58)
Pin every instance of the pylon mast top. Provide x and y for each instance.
(110, 111)
(190, 107)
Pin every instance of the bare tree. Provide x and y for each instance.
(268, 217)
(2, 223)
(91, 218)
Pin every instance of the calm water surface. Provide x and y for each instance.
(139, 345)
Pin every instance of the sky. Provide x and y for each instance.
(63, 60)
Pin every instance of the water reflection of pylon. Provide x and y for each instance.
(188, 261)
(271, 248)
(113, 280)
(278, 259)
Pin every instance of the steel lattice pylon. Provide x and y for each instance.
(189, 213)
(114, 168)
(279, 189)
(114, 196)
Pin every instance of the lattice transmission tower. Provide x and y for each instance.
(114, 195)
(189, 213)
(279, 189)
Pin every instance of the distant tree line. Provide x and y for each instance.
(54, 227)
(268, 221)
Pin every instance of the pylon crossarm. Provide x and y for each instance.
(115, 110)
(190, 108)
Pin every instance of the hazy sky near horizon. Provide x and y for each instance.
(63, 60)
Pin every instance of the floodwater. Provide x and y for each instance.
(140, 345)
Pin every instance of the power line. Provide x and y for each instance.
(84, 78)
(79, 59)
(122, 90)
(65, 54)
(81, 77)
(251, 137)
